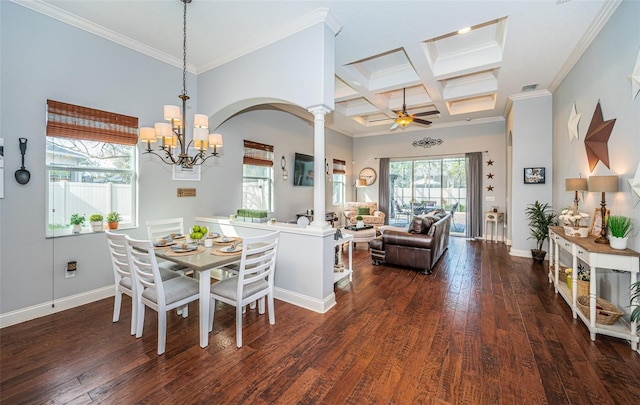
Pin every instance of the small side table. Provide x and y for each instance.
(494, 218)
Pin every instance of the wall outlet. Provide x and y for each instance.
(70, 270)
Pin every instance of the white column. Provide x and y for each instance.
(318, 166)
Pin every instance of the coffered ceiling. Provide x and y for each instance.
(382, 47)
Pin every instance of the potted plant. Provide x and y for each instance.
(635, 295)
(619, 227)
(112, 219)
(541, 217)
(76, 220)
(359, 222)
(96, 222)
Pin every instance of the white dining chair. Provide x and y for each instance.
(253, 283)
(160, 295)
(157, 229)
(124, 278)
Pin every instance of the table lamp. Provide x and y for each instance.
(603, 184)
(575, 185)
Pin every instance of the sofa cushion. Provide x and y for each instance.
(364, 211)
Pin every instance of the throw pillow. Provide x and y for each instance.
(426, 224)
(364, 211)
(416, 225)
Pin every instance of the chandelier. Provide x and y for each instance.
(173, 148)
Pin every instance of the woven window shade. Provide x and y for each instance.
(339, 166)
(72, 121)
(257, 154)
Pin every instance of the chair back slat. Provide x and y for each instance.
(258, 260)
(145, 265)
(119, 258)
(157, 229)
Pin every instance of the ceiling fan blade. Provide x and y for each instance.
(422, 114)
(423, 122)
(394, 126)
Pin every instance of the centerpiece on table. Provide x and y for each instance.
(573, 223)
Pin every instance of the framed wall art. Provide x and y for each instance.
(186, 173)
(596, 223)
(534, 175)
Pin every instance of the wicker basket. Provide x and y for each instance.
(606, 312)
(583, 286)
(562, 276)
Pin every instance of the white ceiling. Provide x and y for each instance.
(381, 47)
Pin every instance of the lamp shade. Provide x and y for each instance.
(577, 184)
(200, 134)
(171, 112)
(361, 183)
(215, 140)
(147, 134)
(200, 121)
(605, 184)
(163, 130)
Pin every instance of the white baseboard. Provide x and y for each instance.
(524, 253)
(304, 301)
(62, 304)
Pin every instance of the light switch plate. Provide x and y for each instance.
(489, 198)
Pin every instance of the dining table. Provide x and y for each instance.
(202, 260)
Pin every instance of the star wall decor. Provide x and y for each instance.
(597, 137)
(635, 78)
(490, 175)
(489, 188)
(635, 187)
(574, 119)
(489, 162)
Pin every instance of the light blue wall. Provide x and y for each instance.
(42, 59)
(457, 140)
(602, 74)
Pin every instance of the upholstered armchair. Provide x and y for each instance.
(368, 211)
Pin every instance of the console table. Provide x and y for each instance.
(495, 218)
(599, 257)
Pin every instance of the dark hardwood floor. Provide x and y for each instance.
(484, 328)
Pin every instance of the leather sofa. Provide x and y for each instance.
(375, 217)
(420, 248)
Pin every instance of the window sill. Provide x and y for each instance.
(63, 233)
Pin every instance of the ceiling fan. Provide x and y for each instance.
(405, 118)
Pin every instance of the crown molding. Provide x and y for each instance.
(601, 19)
(85, 25)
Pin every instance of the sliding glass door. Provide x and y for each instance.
(422, 185)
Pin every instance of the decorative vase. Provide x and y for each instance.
(96, 226)
(76, 229)
(618, 243)
(112, 225)
(576, 231)
(360, 224)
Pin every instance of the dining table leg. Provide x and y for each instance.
(205, 290)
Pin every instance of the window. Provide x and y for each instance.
(90, 163)
(421, 185)
(257, 176)
(339, 181)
